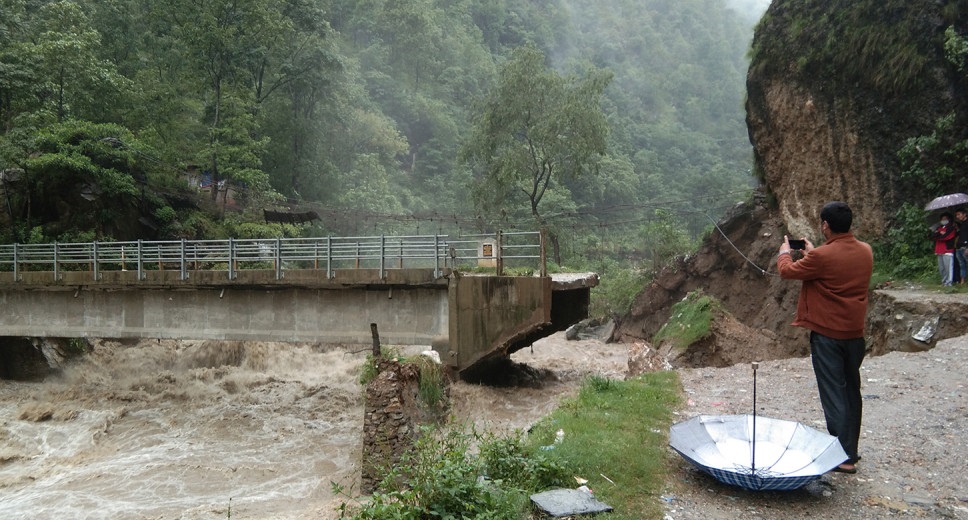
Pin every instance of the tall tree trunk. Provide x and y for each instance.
(60, 98)
(217, 86)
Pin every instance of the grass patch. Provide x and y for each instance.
(431, 384)
(618, 429)
(615, 436)
(690, 320)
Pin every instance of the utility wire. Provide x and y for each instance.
(760, 269)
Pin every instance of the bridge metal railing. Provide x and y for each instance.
(498, 250)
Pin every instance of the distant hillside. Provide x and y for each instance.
(354, 110)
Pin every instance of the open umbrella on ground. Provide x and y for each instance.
(947, 201)
(756, 453)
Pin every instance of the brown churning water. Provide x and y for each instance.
(176, 429)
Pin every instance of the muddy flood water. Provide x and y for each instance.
(206, 430)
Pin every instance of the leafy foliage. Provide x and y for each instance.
(936, 161)
(77, 178)
(617, 289)
(535, 128)
(956, 49)
(358, 110)
(665, 238)
(442, 478)
(905, 252)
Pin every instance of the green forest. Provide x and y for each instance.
(617, 125)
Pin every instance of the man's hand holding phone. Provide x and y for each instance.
(800, 244)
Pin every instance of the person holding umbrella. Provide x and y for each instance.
(833, 306)
(961, 220)
(945, 235)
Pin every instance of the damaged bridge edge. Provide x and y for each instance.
(492, 317)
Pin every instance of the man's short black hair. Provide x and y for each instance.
(838, 216)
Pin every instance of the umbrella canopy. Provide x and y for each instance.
(780, 455)
(947, 201)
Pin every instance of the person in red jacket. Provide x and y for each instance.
(833, 306)
(945, 235)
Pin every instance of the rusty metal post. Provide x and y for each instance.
(499, 255)
(542, 253)
(376, 340)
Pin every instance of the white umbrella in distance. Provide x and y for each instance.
(947, 201)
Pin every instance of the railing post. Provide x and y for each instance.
(329, 257)
(56, 262)
(499, 255)
(542, 254)
(383, 255)
(231, 259)
(141, 269)
(278, 258)
(97, 275)
(184, 261)
(16, 262)
(436, 256)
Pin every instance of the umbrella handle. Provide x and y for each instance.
(756, 365)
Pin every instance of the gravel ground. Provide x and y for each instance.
(913, 445)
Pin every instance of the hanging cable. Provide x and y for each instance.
(752, 263)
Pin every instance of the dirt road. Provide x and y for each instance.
(913, 444)
(914, 441)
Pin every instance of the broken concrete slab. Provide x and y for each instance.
(567, 502)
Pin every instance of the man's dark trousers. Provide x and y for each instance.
(836, 363)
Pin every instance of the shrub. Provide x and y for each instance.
(442, 478)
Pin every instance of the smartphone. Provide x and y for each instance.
(798, 244)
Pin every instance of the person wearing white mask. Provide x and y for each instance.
(944, 234)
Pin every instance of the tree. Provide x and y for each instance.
(537, 128)
(228, 42)
(664, 238)
(80, 180)
(75, 81)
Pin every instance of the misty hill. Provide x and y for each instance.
(127, 117)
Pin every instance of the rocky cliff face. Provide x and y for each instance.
(835, 88)
(827, 119)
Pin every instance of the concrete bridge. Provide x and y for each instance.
(470, 298)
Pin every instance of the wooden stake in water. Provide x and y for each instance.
(753, 458)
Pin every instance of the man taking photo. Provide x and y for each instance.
(833, 306)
